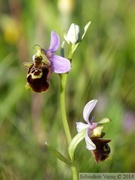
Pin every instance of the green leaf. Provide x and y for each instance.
(59, 155)
(75, 141)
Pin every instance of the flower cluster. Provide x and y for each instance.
(45, 62)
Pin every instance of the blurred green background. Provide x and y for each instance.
(103, 68)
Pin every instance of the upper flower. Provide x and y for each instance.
(90, 126)
(45, 62)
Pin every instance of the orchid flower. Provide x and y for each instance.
(45, 63)
(90, 126)
(93, 136)
(92, 132)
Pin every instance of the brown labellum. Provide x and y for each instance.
(102, 150)
(38, 77)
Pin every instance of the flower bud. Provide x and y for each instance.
(73, 34)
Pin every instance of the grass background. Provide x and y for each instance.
(103, 68)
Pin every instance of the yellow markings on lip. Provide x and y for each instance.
(105, 148)
(35, 76)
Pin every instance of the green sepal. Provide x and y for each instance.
(38, 49)
(59, 155)
(27, 64)
(75, 141)
(40, 52)
(103, 121)
(27, 86)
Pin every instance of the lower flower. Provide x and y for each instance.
(93, 133)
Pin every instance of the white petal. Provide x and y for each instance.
(89, 144)
(88, 108)
(81, 126)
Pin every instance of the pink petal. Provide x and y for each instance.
(59, 64)
(55, 42)
(89, 144)
(81, 126)
(88, 108)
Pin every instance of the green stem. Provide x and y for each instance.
(63, 108)
(74, 173)
(63, 80)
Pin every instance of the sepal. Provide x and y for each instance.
(27, 64)
(38, 50)
(27, 86)
(104, 120)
